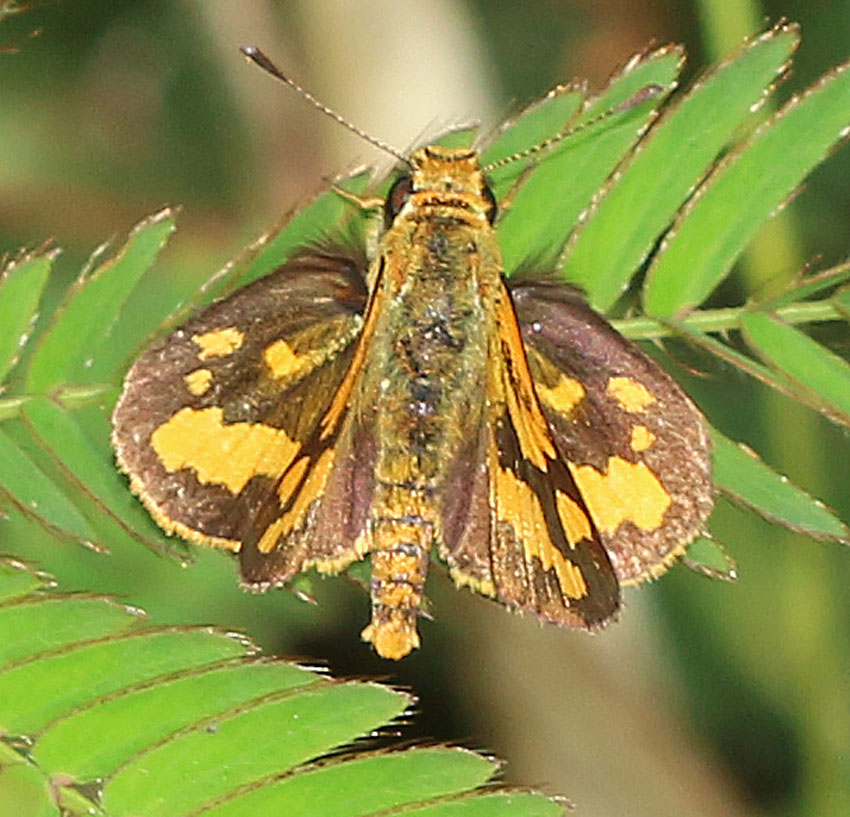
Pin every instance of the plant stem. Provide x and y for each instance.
(723, 320)
(70, 397)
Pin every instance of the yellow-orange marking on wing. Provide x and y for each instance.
(228, 454)
(628, 492)
(518, 505)
(483, 586)
(281, 360)
(532, 431)
(343, 393)
(573, 519)
(219, 342)
(311, 490)
(291, 480)
(199, 381)
(632, 396)
(564, 396)
(641, 438)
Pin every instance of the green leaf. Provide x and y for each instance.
(21, 286)
(497, 804)
(91, 468)
(538, 122)
(708, 557)
(24, 793)
(176, 721)
(807, 286)
(462, 136)
(17, 580)
(842, 301)
(388, 782)
(90, 743)
(747, 188)
(821, 372)
(764, 374)
(550, 200)
(35, 692)
(742, 476)
(49, 623)
(311, 224)
(92, 306)
(281, 731)
(36, 493)
(625, 224)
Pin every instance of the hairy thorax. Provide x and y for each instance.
(429, 364)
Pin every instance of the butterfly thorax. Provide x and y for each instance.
(425, 376)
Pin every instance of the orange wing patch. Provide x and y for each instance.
(628, 492)
(222, 453)
(219, 342)
(564, 396)
(198, 382)
(340, 402)
(632, 396)
(517, 389)
(517, 505)
(290, 482)
(311, 490)
(281, 360)
(573, 518)
(641, 438)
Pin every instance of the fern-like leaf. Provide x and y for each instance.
(104, 714)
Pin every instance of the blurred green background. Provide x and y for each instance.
(706, 698)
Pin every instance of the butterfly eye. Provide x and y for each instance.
(493, 208)
(397, 198)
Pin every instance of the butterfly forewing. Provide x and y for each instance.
(636, 446)
(214, 417)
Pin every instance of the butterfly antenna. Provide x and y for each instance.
(257, 56)
(647, 92)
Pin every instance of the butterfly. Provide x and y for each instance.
(414, 403)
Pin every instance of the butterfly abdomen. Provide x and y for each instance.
(403, 528)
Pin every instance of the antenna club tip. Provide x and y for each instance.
(249, 50)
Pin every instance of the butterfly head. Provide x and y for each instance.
(445, 178)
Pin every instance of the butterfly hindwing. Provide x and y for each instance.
(219, 424)
(318, 515)
(636, 446)
(547, 559)
(522, 533)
